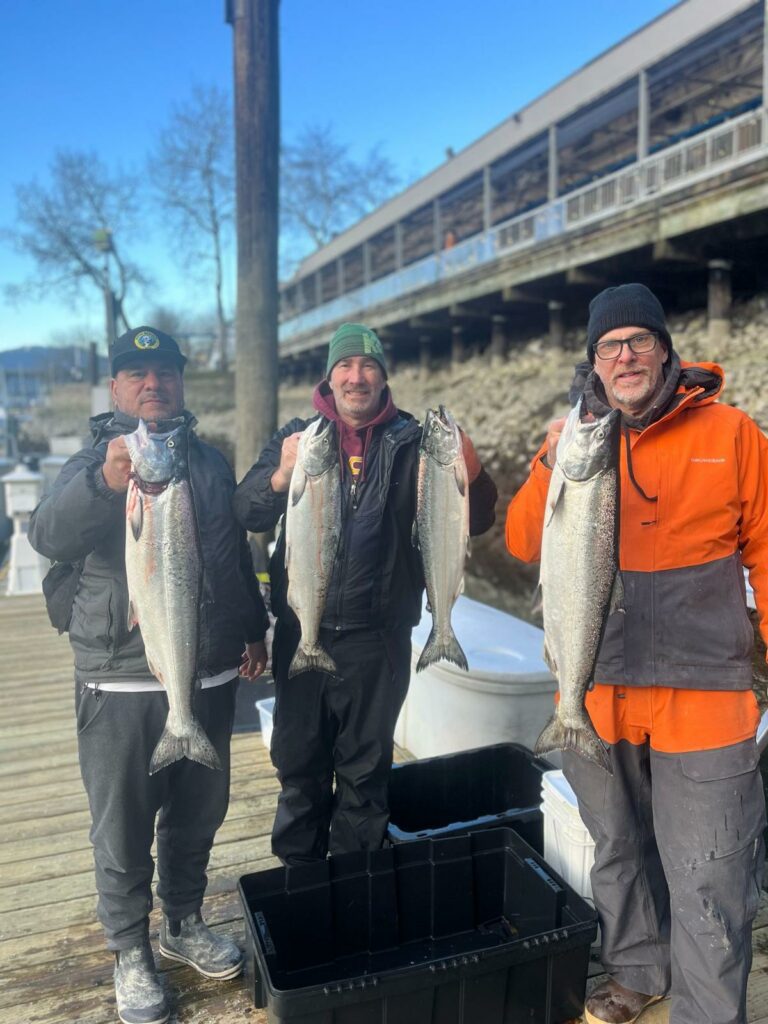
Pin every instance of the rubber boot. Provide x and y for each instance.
(140, 996)
(192, 942)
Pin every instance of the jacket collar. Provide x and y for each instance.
(684, 384)
(113, 424)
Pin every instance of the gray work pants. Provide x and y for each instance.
(117, 733)
(678, 867)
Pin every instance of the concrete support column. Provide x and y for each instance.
(399, 245)
(340, 276)
(499, 340)
(458, 345)
(425, 356)
(643, 115)
(556, 322)
(719, 299)
(487, 199)
(552, 168)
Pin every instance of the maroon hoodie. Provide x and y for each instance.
(353, 441)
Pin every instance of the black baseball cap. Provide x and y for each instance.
(144, 341)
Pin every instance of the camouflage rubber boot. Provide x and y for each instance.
(191, 941)
(140, 995)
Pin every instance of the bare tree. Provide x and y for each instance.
(323, 190)
(192, 167)
(75, 231)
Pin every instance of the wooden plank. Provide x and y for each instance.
(55, 967)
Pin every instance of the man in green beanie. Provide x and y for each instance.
(333, 737)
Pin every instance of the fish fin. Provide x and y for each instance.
(617, 594)
(553, 497)
(155, 671)
(298, 485)
(583, 741)
(136, 515)
(316, 660)
(196, 747)
(549, 660)
(460, 472)
(448, 650)
(537, 604)
(133, 619)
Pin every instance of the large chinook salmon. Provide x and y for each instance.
(163, 568)
(312, 532)
(442, 530)
(580, 583)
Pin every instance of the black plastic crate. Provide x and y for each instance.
(489, 787)
(472, 929)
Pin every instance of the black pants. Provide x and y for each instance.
(328, 729)
(117, 733)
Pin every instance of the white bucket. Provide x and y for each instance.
(568, 846)
(266, 709)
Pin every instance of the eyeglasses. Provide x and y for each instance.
(640, 344)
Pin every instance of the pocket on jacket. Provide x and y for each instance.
(90, 705)
(726, 791)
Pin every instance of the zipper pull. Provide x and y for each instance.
(353, 493)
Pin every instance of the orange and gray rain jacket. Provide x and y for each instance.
(693, 511)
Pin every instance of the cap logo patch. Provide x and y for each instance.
(146, 340)
(371, 344)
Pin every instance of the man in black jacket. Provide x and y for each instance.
(121, 707)
(330, 729)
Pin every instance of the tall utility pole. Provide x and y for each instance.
(257, 147)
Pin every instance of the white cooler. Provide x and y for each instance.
(506, 697)
(568, 846)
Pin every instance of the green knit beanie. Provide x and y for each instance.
(355, 340)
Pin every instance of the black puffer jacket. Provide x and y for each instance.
(83, 518)
(378, 579)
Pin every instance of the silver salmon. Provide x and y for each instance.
(442, 531)
(580, 583)
(312, 532)
(163, 567)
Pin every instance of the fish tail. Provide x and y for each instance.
(449, 649)
(583, 740)
(317, 659)
(196, 747)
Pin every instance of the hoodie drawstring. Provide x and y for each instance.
(635, 484)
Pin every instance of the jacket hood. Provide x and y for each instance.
(325, 403)
(681, 380)
(107, 425)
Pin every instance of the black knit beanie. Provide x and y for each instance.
(627, 305)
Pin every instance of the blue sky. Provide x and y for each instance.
(413, 76)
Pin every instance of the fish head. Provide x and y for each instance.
(440, 438)
(317, 447)
(587, 448)
(158, 458)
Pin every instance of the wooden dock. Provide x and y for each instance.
(54, 968)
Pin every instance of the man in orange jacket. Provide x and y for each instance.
(678, 827)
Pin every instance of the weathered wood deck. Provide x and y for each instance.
(53, 965)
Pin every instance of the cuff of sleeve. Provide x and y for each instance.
(99, 486)
(539, 467)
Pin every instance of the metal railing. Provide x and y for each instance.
(726, 146)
